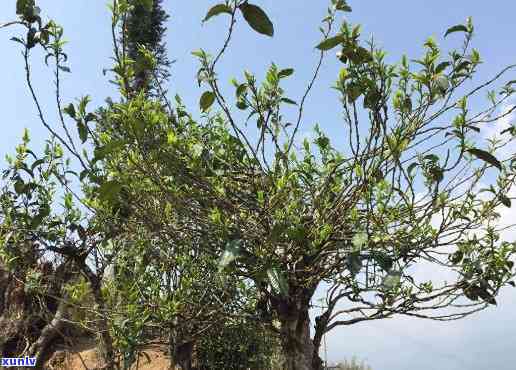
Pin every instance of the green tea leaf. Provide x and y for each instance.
(456, 257)
(82, 130)
(25, 7)
(285, 72)
(207, 100)
(392, 280)
(506, 201)
(330, 43)
(109, 190)
(353, 91)
(241, 104)
(441, 67)
(411, 168)
(241, 89)
(19, 187)
(257, 19)
(342, 6)
(216, 10)
(288, 101)
(442, 83)
(383, 260)
(70, 110)
(457, 28)
(486, 157)
(37, 163)
(44, 211)
(199, 54)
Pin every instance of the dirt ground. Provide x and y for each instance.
(83, 356)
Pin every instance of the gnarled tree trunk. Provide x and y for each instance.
(42, 349)
(182, 356)
(180, 350)
(27, 326)
(298, 348)
(106, 342)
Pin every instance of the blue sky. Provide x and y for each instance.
(485, 341)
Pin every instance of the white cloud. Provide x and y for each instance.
(493, 130)
(459, 344)
(301, 136)
(508, 218)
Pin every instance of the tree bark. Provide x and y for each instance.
(298, 348)
(181, 351)
(42, 348)
(182, 356)
(106, 342)
(23, 316)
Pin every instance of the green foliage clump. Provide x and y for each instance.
(237, 344)
(146, 27)
(220, 230)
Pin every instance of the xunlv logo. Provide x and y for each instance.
(18, 361)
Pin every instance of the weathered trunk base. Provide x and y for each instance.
(43, 348)
(106, 348)
(25, 329)
(298, 348)
(181, 356)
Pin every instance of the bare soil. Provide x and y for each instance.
(84, 356)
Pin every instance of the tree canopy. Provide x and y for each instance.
(213, 222)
